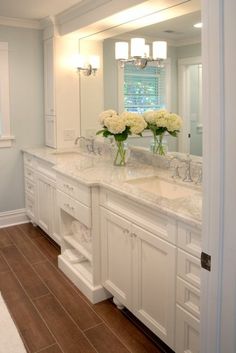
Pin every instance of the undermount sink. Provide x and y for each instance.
(161, 187)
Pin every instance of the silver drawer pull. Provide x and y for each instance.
(67, 205)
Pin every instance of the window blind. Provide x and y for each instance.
(144, 89)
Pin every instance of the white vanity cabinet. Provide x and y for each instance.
(40, 195)
(138, 266)
(80, 245)
(151, 265)
(61, 109)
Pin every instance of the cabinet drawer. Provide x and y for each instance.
(29, 187)
(74, 189)
(188, 297)
(189, 239)
(189, 268)
(29, 173)
(28, 160)
(187, 332)
(74, 208)
(147, 218)
(30, 206)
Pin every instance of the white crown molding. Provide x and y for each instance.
(14, 217)
(79, 10)
(19, 22)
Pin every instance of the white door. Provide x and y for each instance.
(154, 283)
(116, 256)
(44, 203)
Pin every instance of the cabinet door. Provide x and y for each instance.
(44, 203)
(55, 219)
(187, 332)
(49, 89)
(154, 283)
(116, 256)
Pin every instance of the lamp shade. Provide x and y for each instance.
(147, 51)
(121, 50)
(94, 61)
(80, 61)
(137, 47)
(159, 50)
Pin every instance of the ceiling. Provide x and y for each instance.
(176, 29)
(34, 9)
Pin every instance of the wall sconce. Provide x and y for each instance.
(140, 52)
(88, 67)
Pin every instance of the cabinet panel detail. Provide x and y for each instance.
(189, 297)
(189, 239)
(189, 268)
(187, 332)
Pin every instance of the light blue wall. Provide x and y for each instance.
(26, 109)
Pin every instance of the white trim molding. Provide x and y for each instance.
(11, 218)
(6, 141)
(19, 22)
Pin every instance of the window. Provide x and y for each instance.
(5, 138)
(144, 89)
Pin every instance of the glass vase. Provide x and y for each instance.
(157, 146)
(120, 155)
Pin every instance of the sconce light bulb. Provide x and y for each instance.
(94, 61)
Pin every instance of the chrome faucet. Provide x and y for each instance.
(78, 139)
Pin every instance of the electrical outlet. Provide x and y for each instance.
(69, 135)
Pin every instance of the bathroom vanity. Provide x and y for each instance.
(129, 232)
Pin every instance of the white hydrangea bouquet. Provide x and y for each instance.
(160, 122)
(120, 127)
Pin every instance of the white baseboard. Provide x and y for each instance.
(11, 218)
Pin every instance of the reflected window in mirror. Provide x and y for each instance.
(143, 89)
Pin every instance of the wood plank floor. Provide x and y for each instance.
(52, 315)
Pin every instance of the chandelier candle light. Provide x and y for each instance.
(140, 52)
(161, 122)
(120, 127)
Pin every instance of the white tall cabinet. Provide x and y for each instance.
(61, 89)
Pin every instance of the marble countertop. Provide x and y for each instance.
(99, 171)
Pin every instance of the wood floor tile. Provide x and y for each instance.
(129, 334)
(3, 265)
(5, 240)
(30, 230)
(53, 349)
(31, 326)
(81, 312)
(24, 272)
(104, 340)
(68, 335)
(30, 251)
(47, 249)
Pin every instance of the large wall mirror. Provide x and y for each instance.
(177, 86)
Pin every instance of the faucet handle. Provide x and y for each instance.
(175, 174)
(187, 178)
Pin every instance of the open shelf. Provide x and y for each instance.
(74, 243)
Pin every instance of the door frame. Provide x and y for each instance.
(183, 101)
